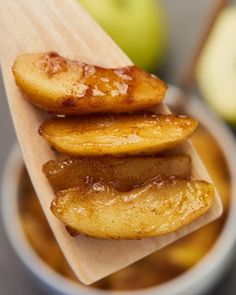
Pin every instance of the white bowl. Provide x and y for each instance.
(197, 280)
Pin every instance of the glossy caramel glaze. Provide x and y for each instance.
(122, 173)
(155, 208)
(59, 85)
(117, 134)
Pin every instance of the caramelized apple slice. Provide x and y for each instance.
(64, 86)
(121, 173)
(155, 208)
(118, 134)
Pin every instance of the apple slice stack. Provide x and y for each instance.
(108, 189)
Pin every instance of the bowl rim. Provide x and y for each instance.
(193, 279)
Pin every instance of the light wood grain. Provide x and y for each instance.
(62, 26)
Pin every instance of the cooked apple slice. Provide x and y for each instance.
(118, 134)
(155, 208)
(64, 86)
(121, 173)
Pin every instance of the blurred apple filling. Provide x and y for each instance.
(155, 269)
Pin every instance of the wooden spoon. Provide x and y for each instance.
(63, 26)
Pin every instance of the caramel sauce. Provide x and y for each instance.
(93, 81)
(52, 64)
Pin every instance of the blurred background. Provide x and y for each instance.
(163, 37)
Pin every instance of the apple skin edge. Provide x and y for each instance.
(216, 69)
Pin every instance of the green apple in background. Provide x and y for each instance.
(137, 26)
(216, 69)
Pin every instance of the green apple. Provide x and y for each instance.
(137, 26)
(216, 69)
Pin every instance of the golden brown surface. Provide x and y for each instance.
(64, 86)
(37, 229)
(157, 207)
(121, 173)
(117, 134)
(155, 269)
(212, 157)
